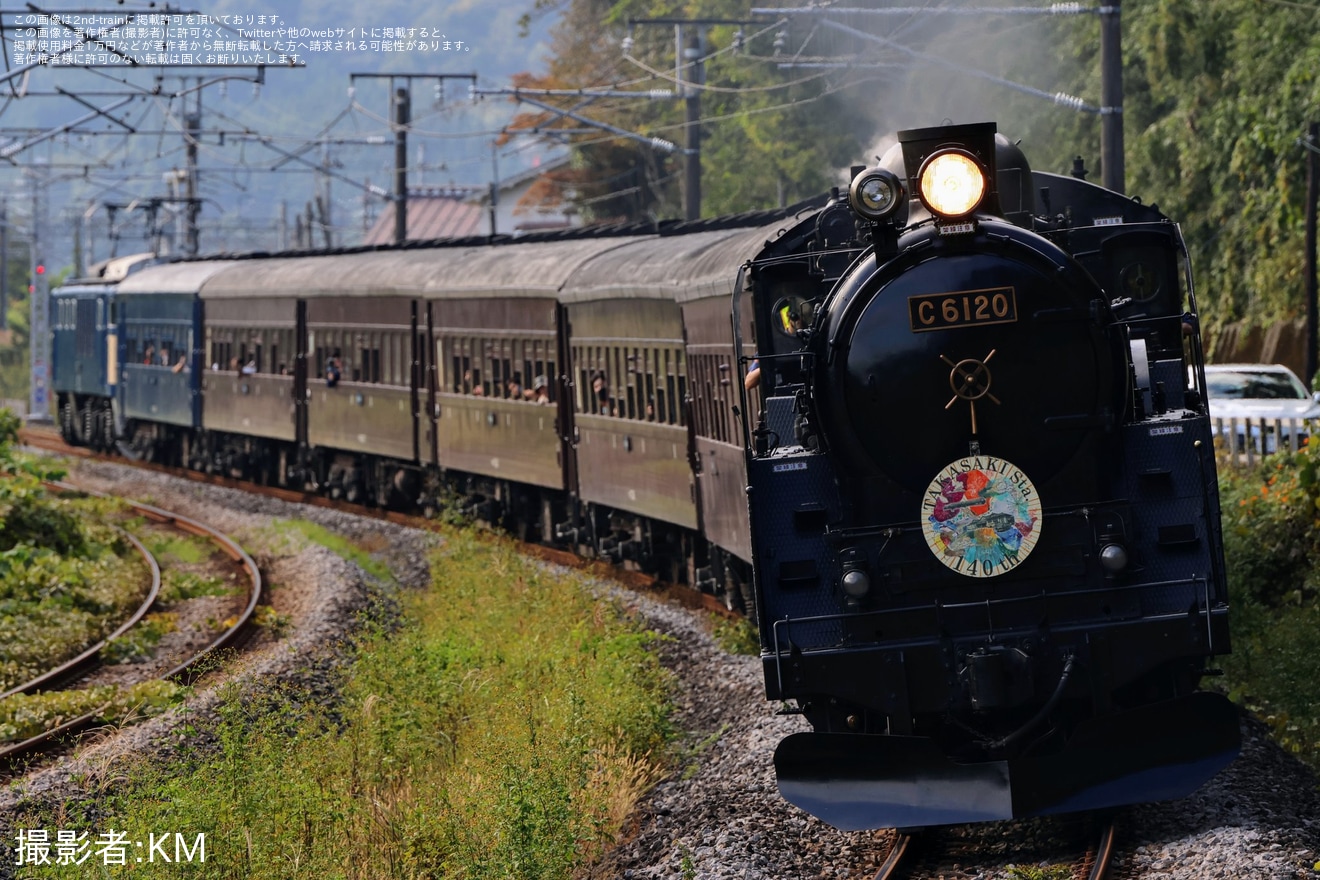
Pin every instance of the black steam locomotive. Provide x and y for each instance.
(985, 524)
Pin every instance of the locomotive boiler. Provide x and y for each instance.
(984, 514)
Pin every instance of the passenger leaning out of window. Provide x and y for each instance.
(539, 392)
(333, 370)
(601, 388)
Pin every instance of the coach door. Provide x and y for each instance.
(415, 373)
(426, 372)
(300, 377)
(564, 404)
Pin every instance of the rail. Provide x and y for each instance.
(184, 671)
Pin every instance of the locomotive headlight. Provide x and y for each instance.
(875, 194)
(952, 184)
(856, 583)
(1113, 557)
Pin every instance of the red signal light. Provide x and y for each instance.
(41, 270)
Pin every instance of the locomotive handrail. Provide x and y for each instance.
(736, 318)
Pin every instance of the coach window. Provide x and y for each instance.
(617, 372)
(217, 347)
(404, 347)
(680, 380)
(497, 369)
(627, 371)
(278, 352)
(657, 385)
(505, 359)
(460, 367)
(628, 383)
(399, 358)
(394, 343)
(531, 365)
(368, 358)
(471, 378)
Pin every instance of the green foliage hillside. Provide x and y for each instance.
(1217, 95)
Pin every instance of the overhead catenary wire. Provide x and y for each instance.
(1060, 98)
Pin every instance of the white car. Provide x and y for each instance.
(1256, 395)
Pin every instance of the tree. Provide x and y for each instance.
(14, 368)
(1217, 94)
(769, 137)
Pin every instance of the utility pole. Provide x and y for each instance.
(690, 77)
(4, 264)
(193, 126)
(1312, 194)
(401, 110)
(401, 100)
(494, 189)
(693, 54)
(38, 335)
(689, 86)
(1111, 96)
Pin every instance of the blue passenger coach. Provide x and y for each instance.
(160, 333)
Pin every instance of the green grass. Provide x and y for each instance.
(337, 544)
(57, 600)
(504, 730)
(26, 715)
(1272, 544)
(186, 549)
(137, 645)
(178, 585)
(1040, 872)
(1274, 670)
(737, 636)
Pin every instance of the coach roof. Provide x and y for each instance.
(673, 267)
(463, 271)
(186, 277)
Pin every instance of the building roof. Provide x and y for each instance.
(433, 213)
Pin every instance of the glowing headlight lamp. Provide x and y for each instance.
(875, 194)
(952, 184)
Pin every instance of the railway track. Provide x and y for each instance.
(181, 669)
(1074, 847)
(50, 440)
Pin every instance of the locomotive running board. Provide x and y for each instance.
(1159, 752)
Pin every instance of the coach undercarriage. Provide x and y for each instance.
(529, 513)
